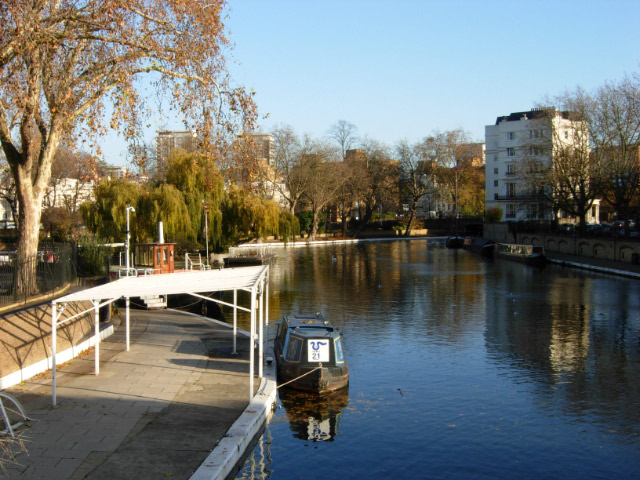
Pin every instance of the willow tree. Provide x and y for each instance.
(247, 217)
(106, 215)
(165, 204)
(202, 187)
(64, 63)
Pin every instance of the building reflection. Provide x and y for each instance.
(257, 466)
(574, 335)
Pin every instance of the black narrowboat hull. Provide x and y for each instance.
(321, 380)
(454, 242)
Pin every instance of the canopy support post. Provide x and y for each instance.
(127, 323)
(266, 299)
(261, 331)
(54, 321)
(96, 336)
(235, 320)
(252, 343)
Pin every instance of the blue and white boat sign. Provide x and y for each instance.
(318, 350)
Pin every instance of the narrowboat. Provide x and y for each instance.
(309, 354)
(530, 254)
(454, 241)
(482, 246)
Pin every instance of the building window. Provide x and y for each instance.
(511, 169)
(535, 133)
(534, 151)
(511, 211)
(511, 135)
(495, 158)
(566, 134)
(495, 183)
(511, 190)
(495, 171)
(511, 152)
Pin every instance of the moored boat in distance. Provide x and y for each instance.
(482, 246)
(309, 354)
(454, 241)
(531, 254)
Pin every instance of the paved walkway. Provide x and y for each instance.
(154, 412)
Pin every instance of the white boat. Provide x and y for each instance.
(530, 254)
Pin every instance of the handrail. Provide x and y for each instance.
(8, 423)
(124, 272)
(189, 263)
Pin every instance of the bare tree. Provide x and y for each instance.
(559, 166)
(344, 134)
(142, 156)
(378, 181)
(289, 180)
(614, 123)
(452, 153)
(62, 62)
(417, 172)
(324, 177)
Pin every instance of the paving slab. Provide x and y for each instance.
(156, 411)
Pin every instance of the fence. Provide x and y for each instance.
(54, 268)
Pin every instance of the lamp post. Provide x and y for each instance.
(129, 209)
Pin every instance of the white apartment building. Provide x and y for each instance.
(515, 143)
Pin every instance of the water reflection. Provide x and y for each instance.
(461, 367)
(576, 335)
(257, 465)
(314, 417)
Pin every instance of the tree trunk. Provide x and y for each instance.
(30, 191)
(344, 220)
(29, 227)
(364, 220)
(412, 215)
(314, 225)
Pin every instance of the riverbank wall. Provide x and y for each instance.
(25, 340)
(621, 250)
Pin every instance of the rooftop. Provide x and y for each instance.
(535, 113)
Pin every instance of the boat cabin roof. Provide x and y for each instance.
(308, 322)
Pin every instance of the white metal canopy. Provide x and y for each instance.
(251, 279)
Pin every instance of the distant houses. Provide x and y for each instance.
(67, 193)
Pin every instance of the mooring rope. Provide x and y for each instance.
(298, 378)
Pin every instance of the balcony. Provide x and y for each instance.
(522, 197)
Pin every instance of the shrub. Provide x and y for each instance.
(493, 215)
(92, 258)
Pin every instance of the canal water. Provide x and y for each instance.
(460, 367)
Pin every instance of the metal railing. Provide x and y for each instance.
(50, 269)
(190, 263)
(250, 251)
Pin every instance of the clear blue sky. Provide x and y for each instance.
(401, 69)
